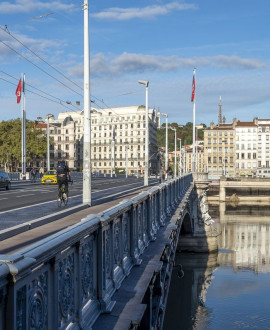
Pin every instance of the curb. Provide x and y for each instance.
(13, 231)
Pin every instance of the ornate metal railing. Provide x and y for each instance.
(67, 280)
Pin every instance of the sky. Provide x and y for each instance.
(227, 41)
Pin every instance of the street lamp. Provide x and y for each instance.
(87, 112)
(224, 158)
(174, 129)
(126, 160)
(48, 141)
(180, 159)
(146, 83)
(166, 148)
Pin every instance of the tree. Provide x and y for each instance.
(185, 133)
(10, 143)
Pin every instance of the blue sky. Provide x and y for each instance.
(161, 41)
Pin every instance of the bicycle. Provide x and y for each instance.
(61, 200)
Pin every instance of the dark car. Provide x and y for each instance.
(4, 180)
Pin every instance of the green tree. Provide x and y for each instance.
(185, 133)
(10, 142)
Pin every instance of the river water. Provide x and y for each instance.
(229, 289)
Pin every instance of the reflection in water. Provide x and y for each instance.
(229, 289)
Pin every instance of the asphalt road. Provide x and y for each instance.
(29, 201)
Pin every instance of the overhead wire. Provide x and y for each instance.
(61, 102)
(40, 68)
(30, 50)
(58, 71)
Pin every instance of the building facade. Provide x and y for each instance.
(117, 139)
(246, 148)
(219, 149)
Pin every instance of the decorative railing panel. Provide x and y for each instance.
(68, 279)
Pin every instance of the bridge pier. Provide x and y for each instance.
(204, 237)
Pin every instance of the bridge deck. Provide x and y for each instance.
(129, 307)
(15, 243)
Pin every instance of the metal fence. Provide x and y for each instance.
(68, 279)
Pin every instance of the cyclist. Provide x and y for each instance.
(63, 176)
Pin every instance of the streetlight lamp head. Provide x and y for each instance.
(143, 82)
(48, 116)
(165, 114)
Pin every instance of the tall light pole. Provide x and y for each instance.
(180, 158)
(87, 115)
(224, 158)
(126, 161)
(48, 141)
(166, 147)
(194, 111)
(113, 153)
(175, 157)
(146, 83)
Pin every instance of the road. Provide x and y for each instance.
(26, 202)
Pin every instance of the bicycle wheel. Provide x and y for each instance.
(60, 199)
(65, 200)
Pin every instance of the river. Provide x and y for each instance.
(229, 289)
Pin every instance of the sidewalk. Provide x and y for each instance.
(15, 243)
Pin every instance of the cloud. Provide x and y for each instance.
(137, 63)
(149, 12)
(9, 45)
(25, 6)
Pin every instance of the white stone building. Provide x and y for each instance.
(263, 142)
(246, 148)
(117, 139)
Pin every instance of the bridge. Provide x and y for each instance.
(248, 188)
(111, 269)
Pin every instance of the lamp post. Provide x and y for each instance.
(87, 113)
(174, 129)
(166, 147)
(48, 141)
(126, 161)
(224, 158)
(180, 158)
(146, 83)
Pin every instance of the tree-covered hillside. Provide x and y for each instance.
(184, 133)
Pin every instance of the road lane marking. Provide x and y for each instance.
(33, 205)
(25, 195)
(2, 199)
(26, 207)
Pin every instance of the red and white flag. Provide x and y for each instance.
(19, 91)
(193, 87)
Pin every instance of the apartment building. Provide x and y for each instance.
(117, 139)
(188, 158)
(246, 148)
(263, 154)
(219, 149)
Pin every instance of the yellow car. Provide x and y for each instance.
(49, 177)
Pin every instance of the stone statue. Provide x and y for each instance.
(206, 218)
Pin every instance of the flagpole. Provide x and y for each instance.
(196, 139)
(194, 107)
(23, 128)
